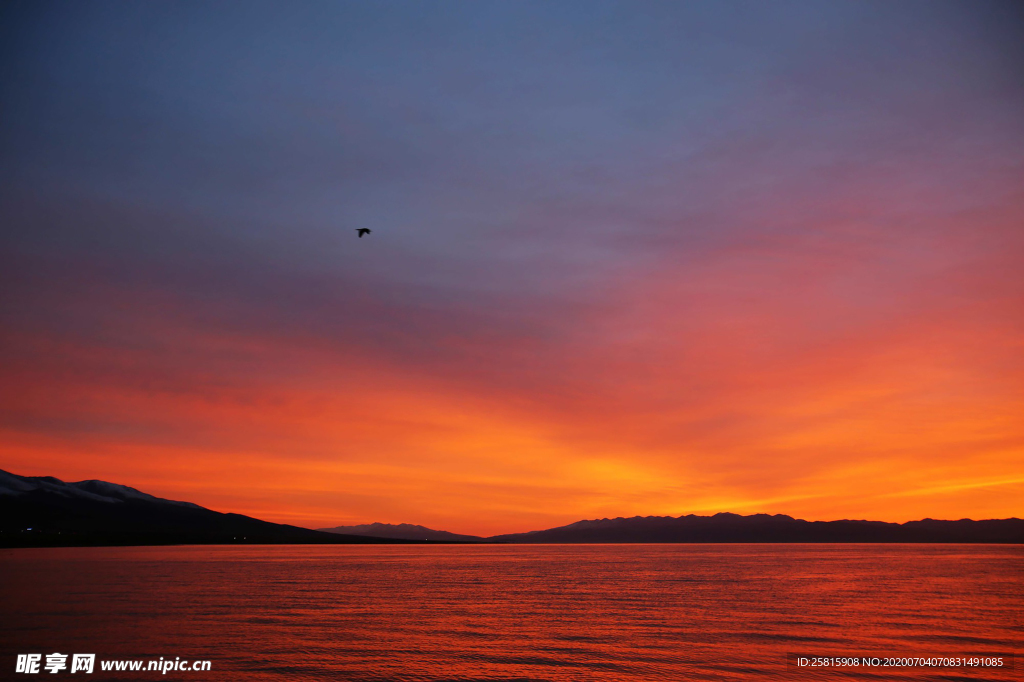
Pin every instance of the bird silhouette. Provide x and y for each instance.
(362, 231)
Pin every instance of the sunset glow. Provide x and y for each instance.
(757, 261)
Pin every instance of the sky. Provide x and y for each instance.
(641, 258)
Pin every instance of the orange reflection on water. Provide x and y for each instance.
(551, 612)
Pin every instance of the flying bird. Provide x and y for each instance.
(362, 231)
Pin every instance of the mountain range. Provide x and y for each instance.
(402, 531)
(45, 511)
(726, 527)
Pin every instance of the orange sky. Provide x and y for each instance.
(799, 293)
(748, 382)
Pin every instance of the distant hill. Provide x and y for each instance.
(403, 531)
(727, 527)
(45, 511)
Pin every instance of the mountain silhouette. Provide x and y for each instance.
(45, 511)
(402, 531)
(726, 527)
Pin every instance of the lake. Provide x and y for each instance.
(516, 612)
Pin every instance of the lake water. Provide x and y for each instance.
(522, 612)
